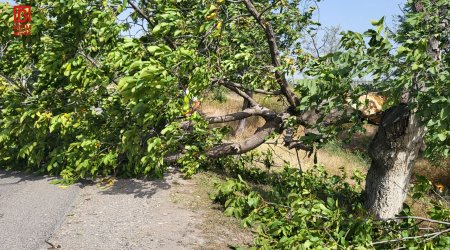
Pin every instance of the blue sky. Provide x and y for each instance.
(356, 14)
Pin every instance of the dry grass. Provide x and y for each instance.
(332, 157)
(350, 156)
(436, 174)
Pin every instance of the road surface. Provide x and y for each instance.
(132, 214)
(31, 209)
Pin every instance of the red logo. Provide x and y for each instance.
(22, 20)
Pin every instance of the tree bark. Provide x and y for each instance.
(393, 151)
(243, 123)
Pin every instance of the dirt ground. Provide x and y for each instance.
(173, 213)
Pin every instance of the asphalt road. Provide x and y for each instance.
(131, 214)
(31, 209)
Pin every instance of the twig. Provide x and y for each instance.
(298, 160)
(427, 236)
(418, 218)
(95, 63)
(152, 24)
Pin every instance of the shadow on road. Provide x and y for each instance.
(138, 188)
(15, 177)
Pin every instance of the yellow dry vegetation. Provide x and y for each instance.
(350, 156)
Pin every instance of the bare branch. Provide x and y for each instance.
(259, 91)
(16, 84)
(421, 219)
(11, 81)
(297, 144)
(253, 111)
(239, 92)
(274, 53)
(335, 116)
(95, 63)
(425, 236)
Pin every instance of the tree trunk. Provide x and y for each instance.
(393, 151)
(395, 148)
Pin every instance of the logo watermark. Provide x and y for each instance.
(22, 20)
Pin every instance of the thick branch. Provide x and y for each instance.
(297, 144)
(274, 53)
(335, 116)
(152, 24)
(253, 111)
(235, 148)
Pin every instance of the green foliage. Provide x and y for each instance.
(312, 210)
(399, 63)
(81, 99)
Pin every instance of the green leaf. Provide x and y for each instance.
(158, 28)
(152, 49)
(377, 22)
(442, 136)
(124, 82)
(402, 49)
(135, 65)
(68, 69)
(139, 108)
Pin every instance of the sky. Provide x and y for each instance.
(356, 15)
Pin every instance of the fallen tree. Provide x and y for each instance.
(108, 103)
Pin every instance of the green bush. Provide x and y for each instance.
(313, 210)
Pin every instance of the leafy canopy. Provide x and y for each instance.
(83, 99)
